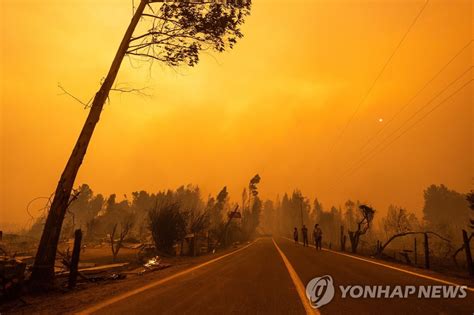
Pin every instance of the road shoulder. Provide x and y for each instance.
(73, 301)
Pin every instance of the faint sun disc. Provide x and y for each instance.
(380, 120)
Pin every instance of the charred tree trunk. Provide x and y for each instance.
(224, 238)
(354, 238)
(43, 269)
(73, 269)
(467, 250)
(112, 244)
(343, 240)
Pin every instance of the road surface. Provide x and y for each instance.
(257, 280)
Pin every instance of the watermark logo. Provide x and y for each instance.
(320, 291)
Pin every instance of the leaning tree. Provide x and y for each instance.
(174, 33)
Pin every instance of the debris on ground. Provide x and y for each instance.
(99, 273)
(12, 275)
(153, 264)
(104, 267)
(97, 269)
(112, 276)
(145, 250)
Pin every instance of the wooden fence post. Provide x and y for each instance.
(73, 269)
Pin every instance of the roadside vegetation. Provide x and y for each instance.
(149, 231)
(183, 222)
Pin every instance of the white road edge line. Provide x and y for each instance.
(128, 294)
(300, 288)
(392, 267)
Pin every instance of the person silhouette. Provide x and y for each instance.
(318, 236)
(304, 231)
(295, 235)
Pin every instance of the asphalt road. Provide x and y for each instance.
(256, 280)
(310, 263)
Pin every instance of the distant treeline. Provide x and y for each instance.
(445, 211)
(166, 216)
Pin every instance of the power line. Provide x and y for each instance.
(429, 112)
(374, 151)
(415, 123)
(415, 96)
(368, 155)
(424, 107)
(412, 99)
(351, 118)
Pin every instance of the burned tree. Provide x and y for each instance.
(176, 33)
(198, 222)
(167, 225)
(398, 220)
(251, 215)
(116, 244)
(466, 238)
(362, 226)
(216, 209)
(381, 248)
(470, 199)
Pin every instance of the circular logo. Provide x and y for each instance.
(320, 291)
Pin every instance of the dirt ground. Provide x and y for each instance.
(103, 255)
(64, 301)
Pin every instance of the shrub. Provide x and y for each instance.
(167, 225)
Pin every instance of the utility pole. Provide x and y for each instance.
(301, 210)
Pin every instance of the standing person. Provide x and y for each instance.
(304, 231)
(295, 235)
(318, 236)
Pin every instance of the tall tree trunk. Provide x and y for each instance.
(354, 238)
(43, 268)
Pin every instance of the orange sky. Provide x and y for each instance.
(274, 105)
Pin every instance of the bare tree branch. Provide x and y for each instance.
(382, 247)
(65, 92)
(139, 91)
(461, 248)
